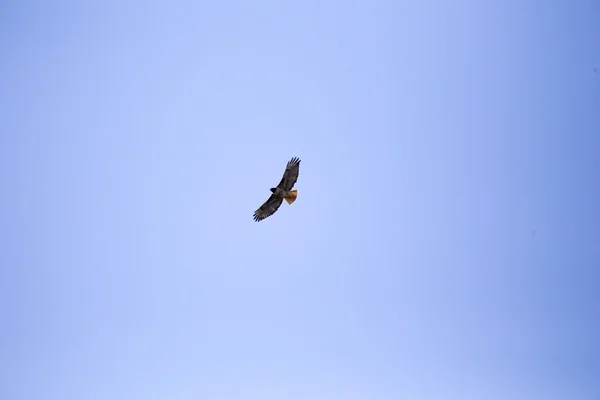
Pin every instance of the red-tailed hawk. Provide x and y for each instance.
(282, 191)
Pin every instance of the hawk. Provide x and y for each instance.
(281, 192)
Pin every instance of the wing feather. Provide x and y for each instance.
(268, 208)
(290, 176)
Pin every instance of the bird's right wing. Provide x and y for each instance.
(290, 176)
(268, 208)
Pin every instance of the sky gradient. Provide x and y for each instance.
(444, 244)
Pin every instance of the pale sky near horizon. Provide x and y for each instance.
(444, 244)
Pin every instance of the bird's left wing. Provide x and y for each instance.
(268, 208)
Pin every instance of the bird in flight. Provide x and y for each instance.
(281, 192)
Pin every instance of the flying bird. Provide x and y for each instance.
(281, 192)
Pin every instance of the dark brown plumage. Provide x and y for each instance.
(281, 192)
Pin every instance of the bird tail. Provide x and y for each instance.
(293, 196)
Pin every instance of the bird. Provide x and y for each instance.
(283, 191)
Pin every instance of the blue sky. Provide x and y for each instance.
(444, 244)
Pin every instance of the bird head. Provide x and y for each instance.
(272, 190)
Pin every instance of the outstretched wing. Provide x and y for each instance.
(268, 209)
(290, 176)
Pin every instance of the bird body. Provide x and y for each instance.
(288, 195)
(281, 192)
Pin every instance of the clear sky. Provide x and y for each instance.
(444, 244)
